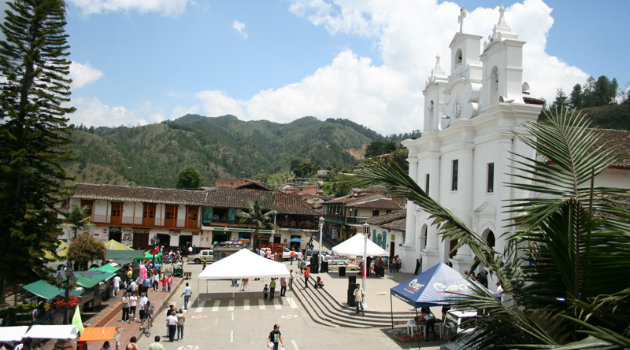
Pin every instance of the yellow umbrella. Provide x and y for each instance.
(62, 251)
(114, 245)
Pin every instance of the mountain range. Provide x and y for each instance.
(219, 147)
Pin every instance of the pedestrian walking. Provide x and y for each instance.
(265, 291)
(171, 321)
(291, 277)
(283, 286)
(181, 319)
(164, 282)
(187, 294)
(132, 344)
(169, 281)
(292, 254)
(358, 299)
(116, 283)
(204, 263)
(156, 345)
(275, 338)
(133, 302)
(125, 307)
(142, 305)
(272, 288)
(418, 265)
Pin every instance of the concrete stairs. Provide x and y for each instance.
(326, 310)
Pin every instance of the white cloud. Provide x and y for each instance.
(216, 103)
(240, 28)
(163, 7)
(83, 74)
(92, 111)
(409, 35)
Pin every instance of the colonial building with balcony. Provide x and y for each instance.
(141, 216)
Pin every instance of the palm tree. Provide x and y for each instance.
(76, 218)
(572, 288)
(256, 215)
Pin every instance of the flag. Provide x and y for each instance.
(76, 320)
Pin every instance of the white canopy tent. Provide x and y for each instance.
(244, 264)
(12, 334)
(357, 245)
(52, 332)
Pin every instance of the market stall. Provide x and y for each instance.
(101, 334)
(12, 334)
(243, 264)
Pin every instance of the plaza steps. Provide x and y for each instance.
(325, 309)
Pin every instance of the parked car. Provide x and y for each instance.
(204, 253)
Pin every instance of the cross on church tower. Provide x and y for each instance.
(460, 19)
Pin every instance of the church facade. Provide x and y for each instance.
(463, 157)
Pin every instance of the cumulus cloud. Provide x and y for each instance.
(163, 7)
(216, 103)
(92, 111)
(83, 74)
(240, 28)
(410, 34)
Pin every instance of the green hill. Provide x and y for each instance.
(220, 147)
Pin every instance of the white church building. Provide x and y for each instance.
(463, 158)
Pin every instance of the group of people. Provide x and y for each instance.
(175, 320)
(270, 290)
(133, 302)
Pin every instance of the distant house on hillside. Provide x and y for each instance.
(241, 183)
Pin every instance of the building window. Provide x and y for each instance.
(375, 212)
(427, 177)
(89, 204)
(490, 179)
(454, 175)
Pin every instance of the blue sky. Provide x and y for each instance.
(139, 62)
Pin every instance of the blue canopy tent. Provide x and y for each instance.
(436, 286)
(296, 239)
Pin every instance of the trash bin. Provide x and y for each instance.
(350, 300)
(324, 267)
(342, 271)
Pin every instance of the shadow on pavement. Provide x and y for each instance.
(389, 332)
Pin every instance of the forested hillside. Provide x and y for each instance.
(221, 147)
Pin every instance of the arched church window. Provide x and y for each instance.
(458, 57)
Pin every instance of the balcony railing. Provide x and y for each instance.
(356, 220)
(146, 222)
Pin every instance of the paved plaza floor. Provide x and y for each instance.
(223, 317)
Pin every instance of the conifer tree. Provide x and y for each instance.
(34, 135)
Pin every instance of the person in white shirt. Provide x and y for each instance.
(116, 282)
(171, 321)
(133, 302)
(142, 305)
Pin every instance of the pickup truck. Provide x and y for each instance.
(198, 258)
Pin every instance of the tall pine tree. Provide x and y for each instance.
(34, 135)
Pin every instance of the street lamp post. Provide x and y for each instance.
(71, 279)
(321, 234)
(366, 233)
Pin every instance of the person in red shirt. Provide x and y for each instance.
(307, 274)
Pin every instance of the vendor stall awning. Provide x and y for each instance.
(106, 268)
(124, 256)
(98, 333)
(244, 264)
(52, 332)
(357, 245)
(47, 291)
(86, 282)
(12, 334)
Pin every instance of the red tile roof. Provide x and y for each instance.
(386, 218)
(215, 197)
